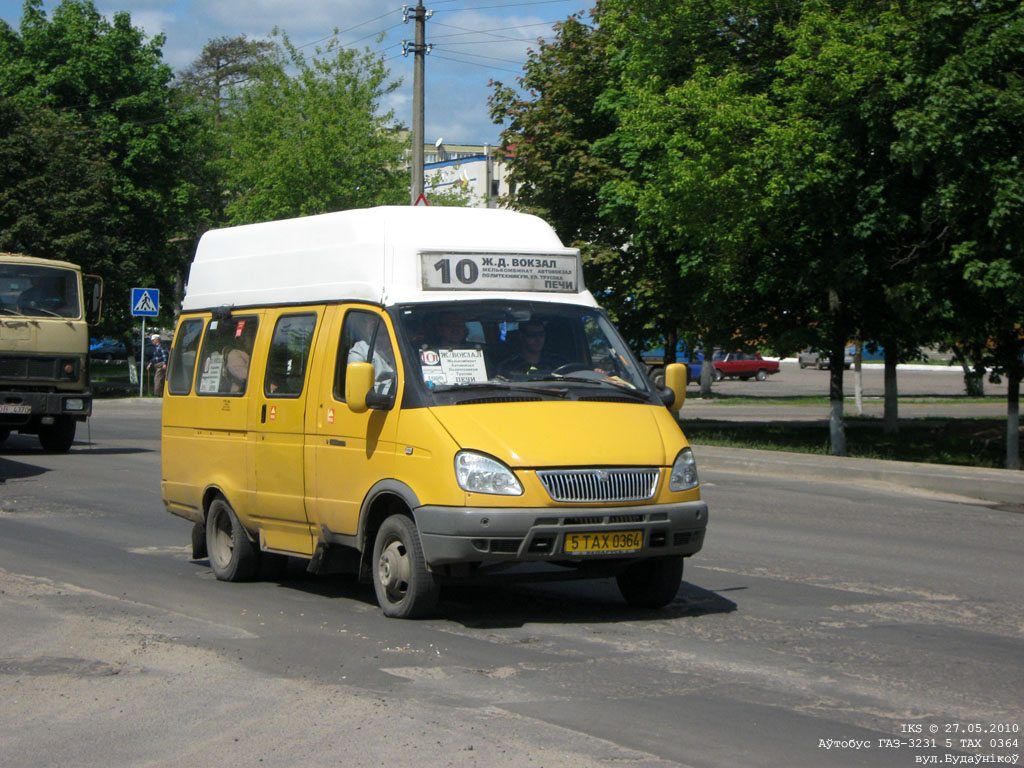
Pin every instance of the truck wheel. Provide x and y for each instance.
(651, 583)
(762, 374)
(232, 556)
(58, 437)
(4, 434)
(405, 588)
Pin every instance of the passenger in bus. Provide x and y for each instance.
(236, 364)
(530, 359)
(449, 330)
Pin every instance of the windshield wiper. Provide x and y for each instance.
(600, 381)
(552, 391)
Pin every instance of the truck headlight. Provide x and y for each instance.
(74, 404)
(684, 472)
(477, 473)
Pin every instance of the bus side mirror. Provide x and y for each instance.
(675, 382)
(94, 290)
(358, 384)
(359, 389)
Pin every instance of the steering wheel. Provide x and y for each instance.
(565, 370)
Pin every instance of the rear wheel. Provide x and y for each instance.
(651, 583)
(232, 555)
(762, 374)
(58, 437)
(405, 588)
(717, 375)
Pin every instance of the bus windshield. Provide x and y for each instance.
(37, 291)
(504, 343)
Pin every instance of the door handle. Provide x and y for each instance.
(333, 441)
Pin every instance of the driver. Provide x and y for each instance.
(531, 357)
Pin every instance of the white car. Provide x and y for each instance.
(819, 360)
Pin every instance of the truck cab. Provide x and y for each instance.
(44, 349)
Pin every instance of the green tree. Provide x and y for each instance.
(56, 188)
(203, 91)
(962, 109)
(224, 64)
(313, 141)
(108, 83)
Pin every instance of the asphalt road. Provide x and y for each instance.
(824, 624)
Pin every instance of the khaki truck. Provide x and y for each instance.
(44, 348)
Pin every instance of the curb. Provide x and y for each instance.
(994, 486)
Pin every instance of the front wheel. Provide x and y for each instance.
(58, 437)
(232, 555)
(717, 375)
(762, 374)
(651, 583)
(405, 588)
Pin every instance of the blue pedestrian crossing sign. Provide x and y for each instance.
(145, 302)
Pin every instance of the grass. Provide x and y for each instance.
(970, 442)
(112, 379)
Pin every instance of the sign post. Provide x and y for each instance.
(145, 303)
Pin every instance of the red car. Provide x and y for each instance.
(742, 365)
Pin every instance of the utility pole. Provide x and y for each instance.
(419, 50)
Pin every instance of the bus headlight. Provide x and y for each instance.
(477, 473)
(684, 472)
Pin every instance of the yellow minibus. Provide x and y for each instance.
(419, 396)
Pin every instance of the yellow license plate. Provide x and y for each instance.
(614, 541)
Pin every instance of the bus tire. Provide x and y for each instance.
(405, 588)
(232, 555)
(651, 583)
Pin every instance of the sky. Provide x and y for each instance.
(474, 42)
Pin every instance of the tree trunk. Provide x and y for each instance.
(836, 429)
(858, 380)
(671, 342)
(836, 353)
(891, 417)
(706, 370)
(1013, 420)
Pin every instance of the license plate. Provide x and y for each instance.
(594, 543)
(19, 409)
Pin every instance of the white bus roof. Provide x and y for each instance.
(386, 255)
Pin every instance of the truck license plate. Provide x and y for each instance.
(18, 409)
(595, 543)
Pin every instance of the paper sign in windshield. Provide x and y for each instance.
(453, 366)
(545, 273)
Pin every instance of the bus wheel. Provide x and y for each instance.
(58, 437)
(232, 556)
(405, 588)
(651, 583)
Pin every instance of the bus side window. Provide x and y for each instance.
(364, 339)
(289, 355)
(182, 366)
(227, 350)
